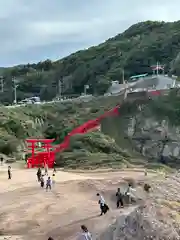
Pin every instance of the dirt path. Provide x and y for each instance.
(28, 210)
(27, 177)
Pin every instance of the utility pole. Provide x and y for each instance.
(2, 83)
(60, 88)
(85, 89)
(125, 85)
(163, 71)
(15, 89)
(157, 68)
(123, 76)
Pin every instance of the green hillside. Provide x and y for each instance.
(135, 50)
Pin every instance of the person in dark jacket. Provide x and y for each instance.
(9, 172)
(2, 160)
(42, 181)
(119, 197)
(39, 174)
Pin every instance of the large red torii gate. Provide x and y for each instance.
(40, 159)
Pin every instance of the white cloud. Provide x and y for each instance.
(30, 29)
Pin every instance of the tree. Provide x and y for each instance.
(102, 84)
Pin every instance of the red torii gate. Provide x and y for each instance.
(42, 158)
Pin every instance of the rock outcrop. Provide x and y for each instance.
(142, 223)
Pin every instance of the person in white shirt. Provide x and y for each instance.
(130, 193)
(103, 206)
(45, 178)
(85, 235)
(46, 169)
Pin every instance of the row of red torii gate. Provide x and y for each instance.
(43, 151)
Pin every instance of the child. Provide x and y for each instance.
(48, 183)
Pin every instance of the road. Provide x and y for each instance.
(156, 82)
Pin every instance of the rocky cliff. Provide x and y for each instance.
(156, 218)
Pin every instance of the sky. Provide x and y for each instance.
(35, 30)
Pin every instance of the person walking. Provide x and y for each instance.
(119, 197)
(85, 235)
(42, 181)
(2, 161)
(54, 170)
(9, 172)
(53, 179)
(39, 174)
(46, 169)
(130, 193)
(103, 206)
(48, 184)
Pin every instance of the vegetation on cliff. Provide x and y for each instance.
(93, 150)
(106, 148)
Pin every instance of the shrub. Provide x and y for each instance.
(8, 145)
(94, 110)
(14, 126)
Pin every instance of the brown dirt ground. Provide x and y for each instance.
(30, 211)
